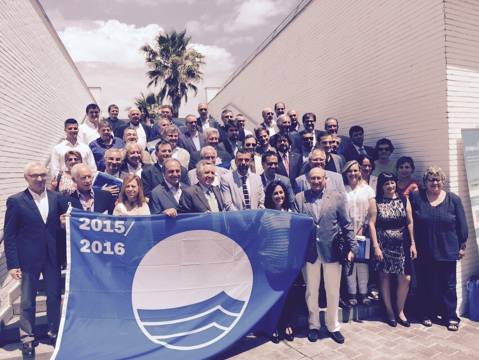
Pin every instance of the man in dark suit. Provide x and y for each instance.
(284, 124)
(203, 196)
(165, 197)
(142, 130)
(356, 146)
(32, 246)
(231, 141)
(191, 140)
(205, 121)
(309, 123)
(154, 175)
(113, 111)
(223, 158)
(269, 160)
(331, 127)
(290, 162)
(334, 162)
(86, 197)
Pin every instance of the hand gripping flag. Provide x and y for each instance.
(186, 288)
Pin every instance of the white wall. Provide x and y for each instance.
(407, 70)
(462, 54)
(40, 88)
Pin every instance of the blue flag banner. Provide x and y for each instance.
(186, 288)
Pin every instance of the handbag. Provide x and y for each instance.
(364, 248)
(341, 250)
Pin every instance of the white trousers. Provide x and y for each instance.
(359, 278)
(332, 281)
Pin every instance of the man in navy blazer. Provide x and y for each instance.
(269, 160)
(356, 147)
(329, 212)
(203, 196)
(32, 245)
(191, 140)
(86, 197)
(165, 197)
(290, 162)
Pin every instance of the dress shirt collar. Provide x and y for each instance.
(38, 197)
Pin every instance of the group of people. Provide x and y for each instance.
(353, 192)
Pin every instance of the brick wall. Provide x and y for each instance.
(462, 55)
(40, 88)
(406, 70)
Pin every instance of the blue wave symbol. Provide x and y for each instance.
(194, 324)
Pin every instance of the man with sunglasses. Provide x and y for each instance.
(191, 140)
(205, 120)
(268, 121)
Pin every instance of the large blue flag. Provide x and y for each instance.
(184, 288)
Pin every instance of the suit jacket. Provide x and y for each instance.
(221, 153)
(186, 142)
(153, 176)
(120, 130)
(294, 137)
(333, 218)
(218, 172)
(295, 164)
(232, 191)
(334, 163)
(29, 242)
(350, 153)
(104, 201)
(161, 198)
(284, 180)
(212, 122)
(333, 181)
(193, 200)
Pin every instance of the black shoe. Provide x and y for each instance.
(404, 323)
(313, 335)
(290, 336)
(392, 322)
(275, 337)
(28, 350)
(337, 336)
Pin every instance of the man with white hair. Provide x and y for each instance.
(209, 154)
(142, 131)
(32, 224)
(203, 196)
(86, 197)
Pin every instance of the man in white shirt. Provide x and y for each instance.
(142, 131)
(89, 129)
(57, 160)
(172, 135)
(32, 224)
(268, 121)
(209, 154)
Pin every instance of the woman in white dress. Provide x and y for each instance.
(360, 201)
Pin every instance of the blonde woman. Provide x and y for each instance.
(131, 200)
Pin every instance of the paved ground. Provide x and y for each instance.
(372, 340)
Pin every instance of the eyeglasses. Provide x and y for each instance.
(270, 113)
(384, 149)
(192, 122)
(308, 138)
(250, 145)
(203, 109)
(434, 180)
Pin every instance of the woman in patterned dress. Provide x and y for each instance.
(392, 236)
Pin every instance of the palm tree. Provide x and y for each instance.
(173, 66)
(146, 103)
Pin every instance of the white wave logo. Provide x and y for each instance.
(191, 289)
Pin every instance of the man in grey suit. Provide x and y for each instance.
(334, 162)
(209, 154)
(317, 158)
(165, 197)
(328, 209)
(269, 160)
(203, 196)
(242, 189)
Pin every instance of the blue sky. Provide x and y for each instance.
(103, 38)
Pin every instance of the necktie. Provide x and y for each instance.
(212, 203)
(362, 151)
(245, 193)
(286, 163)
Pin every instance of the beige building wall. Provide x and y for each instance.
(40, 88)
(462, 55)
(382, 65)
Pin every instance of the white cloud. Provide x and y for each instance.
(109, 41)
(254, 13)
(107, 55)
